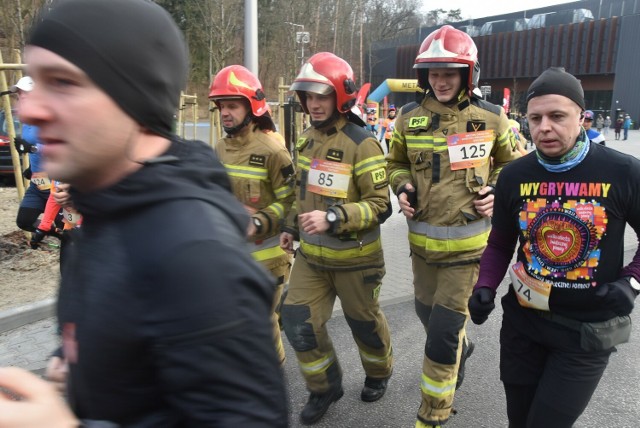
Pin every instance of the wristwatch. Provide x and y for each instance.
(333, 220)
(634, 284)
(257, 223)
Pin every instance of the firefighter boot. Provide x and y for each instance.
(373, 389)
(318, 404)
(467, 350)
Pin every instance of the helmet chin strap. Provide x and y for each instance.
(235, 129)
(328, 121)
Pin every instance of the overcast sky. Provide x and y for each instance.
(478, 8)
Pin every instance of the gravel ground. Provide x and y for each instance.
(26, 275)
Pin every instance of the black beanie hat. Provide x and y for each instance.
(556, 81)
(132, 49)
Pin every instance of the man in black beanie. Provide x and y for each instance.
(570, 299)
(161, 326)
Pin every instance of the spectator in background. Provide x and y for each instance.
(521, 142)
(626, 125)
(524, 127)
(599, 123)
(372, 121)
(388, 126)
(618, 126)
(594, 136)
(607, 125)
(36, 195)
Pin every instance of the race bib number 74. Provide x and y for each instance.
(329, 178)
(531, 292)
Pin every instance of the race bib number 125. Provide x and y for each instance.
(470, 149)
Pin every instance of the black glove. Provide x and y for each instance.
(490, 192)
(617, 296)
(36, 238)
(39, 234)
(23, 146)
(27, 173)
(481, 304)
(412, 195)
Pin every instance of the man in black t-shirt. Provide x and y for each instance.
(567, 205)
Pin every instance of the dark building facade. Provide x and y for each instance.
(596, 40)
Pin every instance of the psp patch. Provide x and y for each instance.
(257, 160)
(379, 176)
(335, 155)
(419, 122)
(474, 126)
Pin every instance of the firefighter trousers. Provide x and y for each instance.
(280, 272)
(441, 296)
(308, 307)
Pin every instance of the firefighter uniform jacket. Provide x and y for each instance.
(449, 153)
(341, 168)
(261, 173)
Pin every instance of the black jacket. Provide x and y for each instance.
(164, 314)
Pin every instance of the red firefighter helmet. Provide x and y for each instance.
(324, 73)
(235, 81)
(448, 47)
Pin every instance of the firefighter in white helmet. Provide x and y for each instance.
(445, 156)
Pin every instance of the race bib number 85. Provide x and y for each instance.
(329, 178)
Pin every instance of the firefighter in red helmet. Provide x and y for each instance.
(445, 156)
(342, 197)
(260, 169)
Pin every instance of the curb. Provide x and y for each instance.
(27, 314)
(13, 318)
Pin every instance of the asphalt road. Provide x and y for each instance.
(480, 401)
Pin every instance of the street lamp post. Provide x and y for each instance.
(302, 38)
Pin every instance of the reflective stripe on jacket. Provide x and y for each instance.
(262, 174)
(446, 227)
(361, 202)
(269, 248)
(450, 239)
